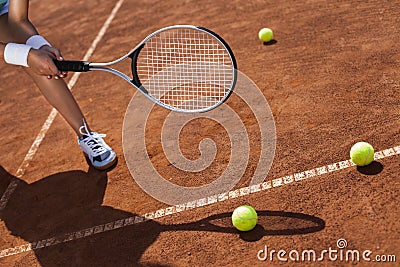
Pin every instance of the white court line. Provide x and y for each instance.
(49, 121)
(191, 205)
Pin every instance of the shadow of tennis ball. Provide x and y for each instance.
(372, 169)
(272, 42)
(254, 235)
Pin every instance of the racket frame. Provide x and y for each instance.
(134, 80)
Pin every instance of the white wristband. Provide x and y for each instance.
(37, 41)
(17, 54)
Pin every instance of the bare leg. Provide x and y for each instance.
(60, 97)
(55, 91)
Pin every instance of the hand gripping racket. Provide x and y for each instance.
(182, 68)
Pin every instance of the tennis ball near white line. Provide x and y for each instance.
(244, 218)
(265, 34)
(362, 154)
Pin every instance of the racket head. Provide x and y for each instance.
(185, 68)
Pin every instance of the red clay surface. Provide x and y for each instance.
(331, 79)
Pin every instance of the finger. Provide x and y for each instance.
(64, 74)
(57, 53)
(49, 77)
(50, 55)
(53, 69)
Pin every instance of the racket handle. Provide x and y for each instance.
(72, 65)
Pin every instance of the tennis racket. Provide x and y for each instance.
(183, 68)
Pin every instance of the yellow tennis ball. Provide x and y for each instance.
(265, 34)
(362, 153)
(244, 218)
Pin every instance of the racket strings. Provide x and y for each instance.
(186, 69)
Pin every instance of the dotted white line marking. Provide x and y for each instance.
(191, 205)
(49, 121)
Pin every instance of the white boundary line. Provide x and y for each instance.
(193, 204)
(50, 119)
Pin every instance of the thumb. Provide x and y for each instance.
(58, 55)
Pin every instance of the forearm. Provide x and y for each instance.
(19, 22)
(22, 30)
(2, 46)
(29, 49)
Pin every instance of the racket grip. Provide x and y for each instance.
(72, 65)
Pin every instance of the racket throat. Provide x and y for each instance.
(135, 77)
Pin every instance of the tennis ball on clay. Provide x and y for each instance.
(244, 218)
(362, 154)
(265, 34)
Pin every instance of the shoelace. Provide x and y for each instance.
(92, 140)
(97, 136)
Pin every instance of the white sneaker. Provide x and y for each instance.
(99, 153)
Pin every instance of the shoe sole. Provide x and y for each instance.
(102, 168)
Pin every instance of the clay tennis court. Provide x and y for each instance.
(331, 79)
